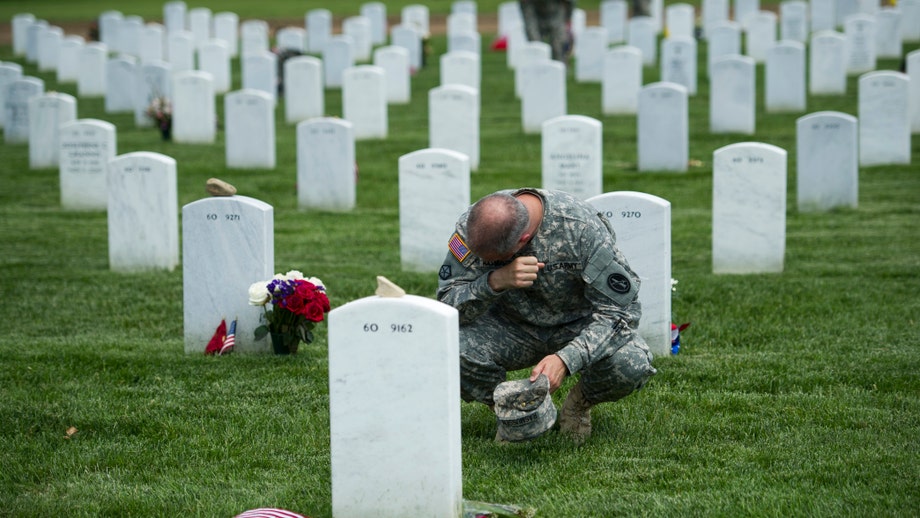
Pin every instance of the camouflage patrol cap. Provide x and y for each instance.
(525, 410)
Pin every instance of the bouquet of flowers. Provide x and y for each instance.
(160, 110)
(297, 305)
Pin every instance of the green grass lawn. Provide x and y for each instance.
(794, 394)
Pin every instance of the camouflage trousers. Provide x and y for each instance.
(492, 345)
(547, 21)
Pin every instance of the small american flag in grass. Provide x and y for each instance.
(229, 340)
(269, 512)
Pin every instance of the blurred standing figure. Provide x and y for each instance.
(641, 8)
(548, 21)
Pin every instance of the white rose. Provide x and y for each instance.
(258, 294)
(316, 282)
(293, 274)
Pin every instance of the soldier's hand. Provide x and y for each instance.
(554, 368)
(519, 273)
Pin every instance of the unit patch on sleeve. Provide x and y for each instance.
(458, 247)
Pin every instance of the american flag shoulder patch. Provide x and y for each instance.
(458, 247)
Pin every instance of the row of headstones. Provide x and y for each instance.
(572, 149)
(833, 55)
(796, 20)
(185, 31)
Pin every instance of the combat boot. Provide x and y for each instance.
(576, 415)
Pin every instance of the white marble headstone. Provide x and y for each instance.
(622, 80)
(453, 120)
(723, 40)
(745, 9)
(109, 23)
(913, 73)
(291, 38)
(199, 24)
(732, 95)
(260, 72)
(228, 243)
(544, 94)
(376, 13)
(760, 35)
(509, 16)
(714, 13)
(680, 20)
(822, 15)
(214, 58)
(68, 69)
(17, 94)
(319, 29)
(642, 35)
(613, 16)
(748, 208)
(530, 53)
(642, 223)
(249, 128)
(409, 39)
(515, 41)
(888, 33)
(827, 162)
(254, 36)
(910, 20)
(460, 68)
(152, 43)
(884, 122)
(86, 147)
(19, 26)
(417, 17)
(395, 63)
(303, 89)
(859, 30)
(395, 447)
(364, 101)
(326, 168)
(143, 212)
(589, 54)
(174, 13)
(434, 190)
(338, 55)
(678, 62)
(663, 128)
(129, 35)
(793, 24)
(91, 75)
(827, 72)
(120, 84)
(49, 48)
(465, 41)
(194, 113)
(180, 49)
(785, 77)
(572, 155)
(33, 34)
(9, 72)
(358, 28)
(226, 29)
(47, 113)
(461, 23)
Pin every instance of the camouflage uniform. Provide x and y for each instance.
(582, 307)
(548, 20)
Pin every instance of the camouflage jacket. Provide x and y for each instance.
(585, 275)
